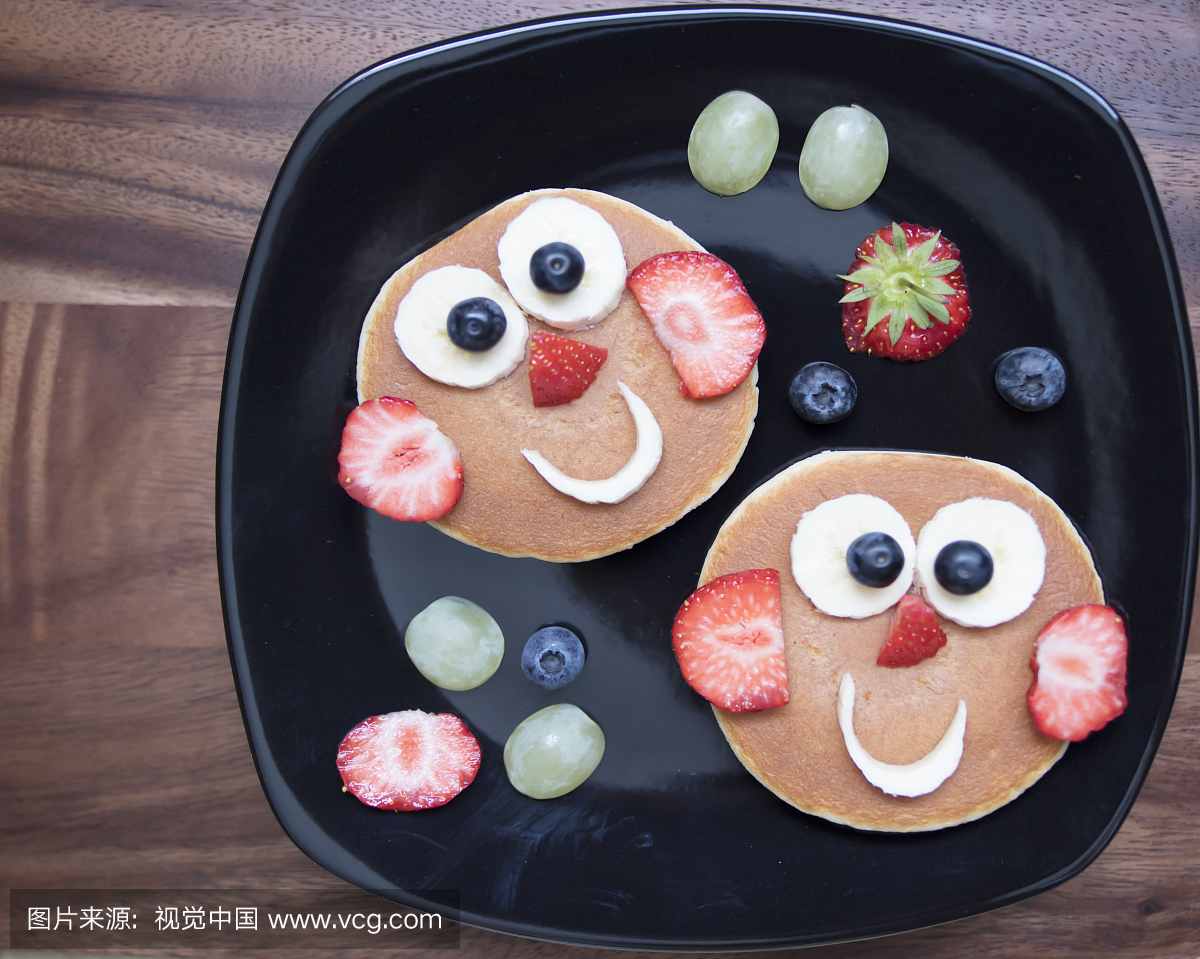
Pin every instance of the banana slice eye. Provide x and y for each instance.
(447, 301)
(821, 555)
(557, 222)
(1002, 531)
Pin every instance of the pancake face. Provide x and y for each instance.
(506, 507)
(798, 751)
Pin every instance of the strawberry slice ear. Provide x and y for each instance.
(703, 317)
(728, 639)
(396, 461)
(1078, 664)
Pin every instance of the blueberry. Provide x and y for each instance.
(556, 268)
(1031, 378)
(822, 393)
(553, 656)
(963, 567)
(476, 324)
(875, 560)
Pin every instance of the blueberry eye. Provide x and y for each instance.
(875, 560)
(556, 268)
(476, 324)
(963, 567)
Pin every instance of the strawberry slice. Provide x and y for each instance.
(913, 636)
(408, 760)
(561, 369)
(703, 317)
(1079, 672)
(728, 638)
(396, 461)
(911, 278)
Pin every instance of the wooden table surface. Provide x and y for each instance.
(138, 143)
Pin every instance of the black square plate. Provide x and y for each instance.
(671, 844)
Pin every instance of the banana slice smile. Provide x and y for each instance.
(629, 478)
(916, 778)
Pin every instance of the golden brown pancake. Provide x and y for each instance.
(798, 752)
(506, 507)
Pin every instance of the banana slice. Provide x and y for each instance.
(629, 478)
(819, 555)
(1018, 553)
(562, 220)
(914, 779)
(421, 328)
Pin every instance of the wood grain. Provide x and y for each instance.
(138, 143)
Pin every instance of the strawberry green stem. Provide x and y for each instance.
(902, 284)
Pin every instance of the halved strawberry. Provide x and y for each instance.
(396, 461)
(913, 636)
(1079, 672)
(561, 369)
(703, 316)
(408, 760)
(906, 295)
(728, 638)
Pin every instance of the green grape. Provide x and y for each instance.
(553, 751)
(844, 158)
(454, 643)
(733, 143)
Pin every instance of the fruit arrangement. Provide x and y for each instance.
(879, 635)
(979, 562)
(523, 336)
(411, 760)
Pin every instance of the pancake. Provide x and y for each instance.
(797, 750)
(506, 507)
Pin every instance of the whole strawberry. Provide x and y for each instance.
(906, 296)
